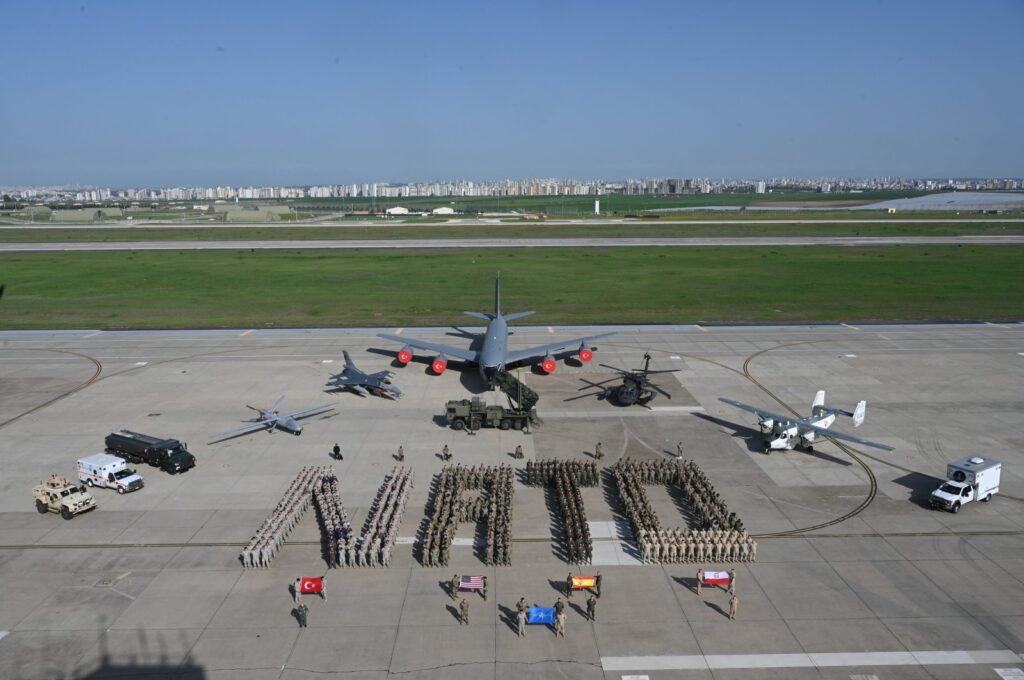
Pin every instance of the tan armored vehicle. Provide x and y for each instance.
(61, 496)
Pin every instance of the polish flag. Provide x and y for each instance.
(716, 578)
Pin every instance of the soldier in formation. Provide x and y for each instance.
(302, 612)
(373, 546)
(464, 612)
(450, 506)
(269, 538)
(568, 476)
(720, 535)
(592, 608)
(542, 472)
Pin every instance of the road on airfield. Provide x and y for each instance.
(440, 243)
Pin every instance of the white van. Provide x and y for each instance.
(970, 479)
(103, 469)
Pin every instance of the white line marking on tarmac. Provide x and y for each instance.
(551, 329)
(399, 331)
(3, 634)
(245, 333)
(676, 357)
(849, 326)
(141, 363)
(802, 660)
(999, 325)
(1009, 673)
(701, 328)
(93, 334)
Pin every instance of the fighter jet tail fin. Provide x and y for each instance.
(819, 400)
(348, 359)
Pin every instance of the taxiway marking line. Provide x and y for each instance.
(3, 634)
(701, 328)
(849, 326)
(93, 334)
(998, 325)
(245, 333)
(807, 660)
(399, 331)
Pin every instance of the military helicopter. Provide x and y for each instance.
(635, 388)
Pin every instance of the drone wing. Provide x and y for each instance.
(307, 412)
(247, 429)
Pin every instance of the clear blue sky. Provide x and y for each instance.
(201, 93)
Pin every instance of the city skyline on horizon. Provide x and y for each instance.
(252, 94)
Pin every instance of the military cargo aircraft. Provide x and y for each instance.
(786, 432)
(270, 420)
(363, 383)
(494, 354)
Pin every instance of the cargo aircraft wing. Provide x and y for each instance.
(761, 413)
(845, 437)
(552, 348)
(447, 350)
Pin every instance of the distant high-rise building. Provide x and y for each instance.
(762, 187)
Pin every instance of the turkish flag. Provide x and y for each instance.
(313, 584)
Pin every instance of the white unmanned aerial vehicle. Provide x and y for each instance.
(786, 432)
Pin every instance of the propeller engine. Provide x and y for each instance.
(586, 353)
(549, 364)
(439, 364)
(405, 355)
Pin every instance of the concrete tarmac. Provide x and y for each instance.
(149, 584)
(442, 243)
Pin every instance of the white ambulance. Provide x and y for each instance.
(103, 469)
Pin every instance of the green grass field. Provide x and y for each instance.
(507, 230)
(177, 289)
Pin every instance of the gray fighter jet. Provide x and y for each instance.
(362, 383)
(270, 420)
(494, 354)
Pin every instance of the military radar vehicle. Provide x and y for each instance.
(62, 497)
(472, 414)
(635, 387)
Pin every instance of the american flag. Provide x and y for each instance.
(471, 583)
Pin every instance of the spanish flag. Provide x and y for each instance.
(581, 582)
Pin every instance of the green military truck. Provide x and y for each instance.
(472, 414)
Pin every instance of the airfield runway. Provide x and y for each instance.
(590, 242)
(855, 578)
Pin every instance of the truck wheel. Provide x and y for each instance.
(956, 507)
(120, 490)
(65, 513)
(517, 425)
(89, 481)
(987, 498)
(41, 507)
(505, 424)
(458, 424)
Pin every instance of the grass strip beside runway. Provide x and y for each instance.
(243, 289)
(28, 234)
